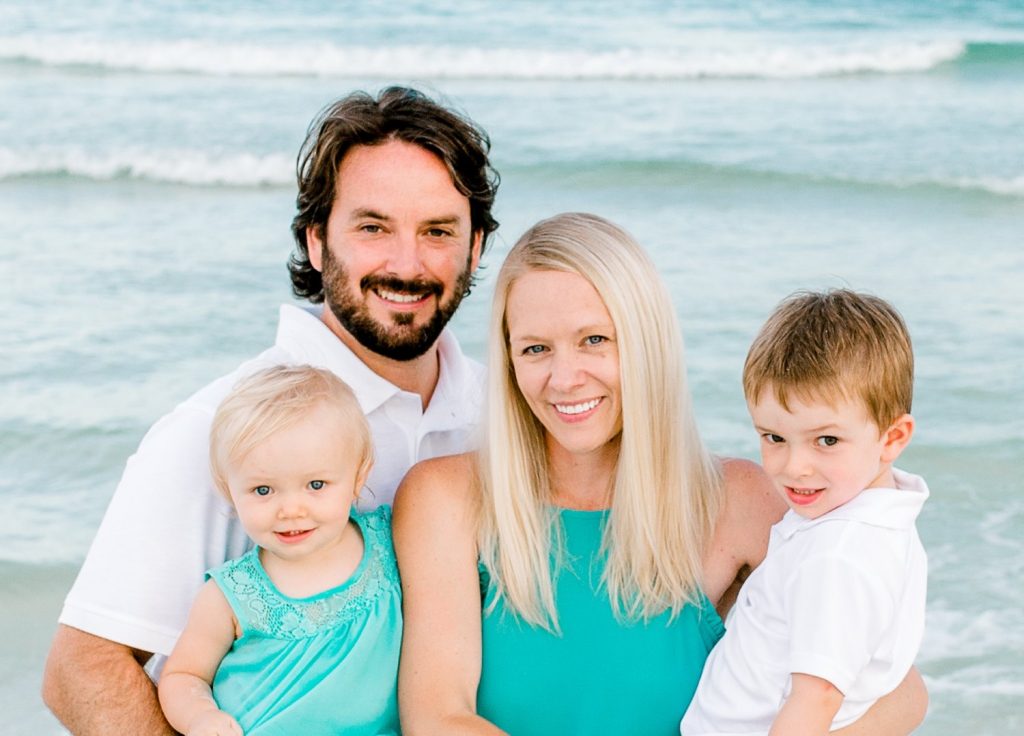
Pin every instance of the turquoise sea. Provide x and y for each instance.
(146, 188)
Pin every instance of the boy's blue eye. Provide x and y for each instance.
(316, 485)
(262, 490)
(828, 440)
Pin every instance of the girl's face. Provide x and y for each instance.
(293, 492)
(566, 359)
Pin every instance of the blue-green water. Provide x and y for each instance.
(146, 166)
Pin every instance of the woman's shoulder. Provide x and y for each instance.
(749, 495)
(740, 538)
(437, 488)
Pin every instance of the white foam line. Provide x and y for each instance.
(183, 167)
(324, 59)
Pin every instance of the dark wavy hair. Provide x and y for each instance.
(398, 113)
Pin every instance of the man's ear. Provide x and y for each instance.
(315, 246)
(897, 437)
(475, 248)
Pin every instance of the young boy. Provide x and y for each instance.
(833, 617)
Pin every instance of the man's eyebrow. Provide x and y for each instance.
(362, 212)
(444, 220)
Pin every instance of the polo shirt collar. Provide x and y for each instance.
(459, 392)
(305, 337)
(456, 400)
(890, 508)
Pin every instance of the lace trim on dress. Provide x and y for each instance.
(268, 611)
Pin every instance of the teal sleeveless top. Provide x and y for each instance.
(600, 676)
(315, 666)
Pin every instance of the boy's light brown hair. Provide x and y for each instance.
(274, 399)
(834, 345)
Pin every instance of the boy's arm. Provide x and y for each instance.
(184, 689)
(809, 709)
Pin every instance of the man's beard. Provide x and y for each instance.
(401, 340)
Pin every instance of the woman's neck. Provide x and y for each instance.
(582, 481)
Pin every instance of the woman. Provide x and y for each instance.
(570, 578)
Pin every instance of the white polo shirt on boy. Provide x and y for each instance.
(167, 524)
(840, 597)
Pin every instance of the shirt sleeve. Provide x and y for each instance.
(839, 610)
(165, 526)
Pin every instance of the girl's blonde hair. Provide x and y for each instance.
(667, 490)
(274, 399)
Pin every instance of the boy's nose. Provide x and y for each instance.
(797, 465)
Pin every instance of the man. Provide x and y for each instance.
(394, 212)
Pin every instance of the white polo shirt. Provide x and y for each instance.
(167, 524)
(840, 597)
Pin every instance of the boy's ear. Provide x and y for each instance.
(897, 437)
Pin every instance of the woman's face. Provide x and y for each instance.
(566, 359)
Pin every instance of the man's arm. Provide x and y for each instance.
(96, 686)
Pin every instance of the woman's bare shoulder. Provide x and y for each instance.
(439, 487)
(751, 507)
(740, 539)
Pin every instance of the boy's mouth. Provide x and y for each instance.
(802, 496)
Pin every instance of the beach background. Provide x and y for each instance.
(146, 189)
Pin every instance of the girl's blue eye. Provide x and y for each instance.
(316, 485)
(261, 490)
(534, 350)
(595, 340)
(828, 440)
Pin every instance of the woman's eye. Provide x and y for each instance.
(533, 350)
(262, 490)
(827, 441)
(316, 485)
(595, 339)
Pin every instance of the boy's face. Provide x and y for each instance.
(293, 491)
(820, 456)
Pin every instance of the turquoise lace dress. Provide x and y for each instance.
(600, 676)
(321, 665)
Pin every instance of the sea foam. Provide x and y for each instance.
(448, 62)
(190, 167)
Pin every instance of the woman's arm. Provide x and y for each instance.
(184, 689)
(896, 714)
(434, 526)
(740, 540)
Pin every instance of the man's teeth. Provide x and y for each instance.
(577, 408)
(393, 296)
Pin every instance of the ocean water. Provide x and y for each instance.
(146, 187)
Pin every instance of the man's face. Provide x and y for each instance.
(397, 252)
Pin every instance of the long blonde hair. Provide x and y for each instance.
(667, 490)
